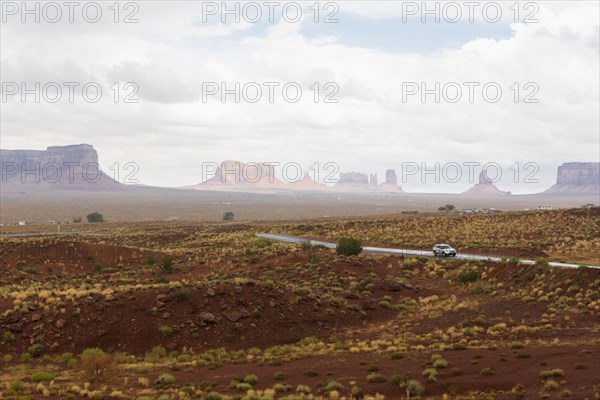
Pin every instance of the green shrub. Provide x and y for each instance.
(95, 217)
(440, 363)
(348, 246)
(166, 265)
(397, 380)
(165, 330)
(303, 389)
(551, 385)
(35, 350)
(213, 396)
(414, 388)
(356, 394)
(182, 295)
(376, 378)
(243, 386)
(96, 365)
(486, 371)
(279, 376)
(251, 379)
(228, 216)
(468, 274)
(310, 373)
(17, 386)
(9, 336)
(165, 379)
(42, 376)
(330, 387)
(281, 387)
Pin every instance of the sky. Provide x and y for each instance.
(379, 84)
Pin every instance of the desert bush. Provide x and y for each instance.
(165, 379)
(96, 365)
(376, 378)
(551, 385)
(17, 386)
(468, 274)
(228, 216)
(213, 396)
(243, 386)
(251, 379)
(348, 246)
(42, 376)
(356, 393)
(165, 331)
(552, 373)
(35, 350)
(166, 265)
(182, 295)
(9, 336)
(397, 380)
(331, 386)
(431, 374)
(281, 388)
(486, 371)
(310, 373)
(414, 388)
(279, 376)
(95, 217)
(303, 389)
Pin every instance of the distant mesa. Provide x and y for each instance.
(356, 179)
(63, 168)
(485, 187)
(577, 178)
(308, 183)
(391, 182)
(233, 173)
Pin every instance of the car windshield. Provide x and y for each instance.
(443, 246)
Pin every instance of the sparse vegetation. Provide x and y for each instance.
(348, 246)
(95, 217)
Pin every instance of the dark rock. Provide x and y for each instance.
(207, 318)
(233, 316)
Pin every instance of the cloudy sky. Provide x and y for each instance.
(373, 58)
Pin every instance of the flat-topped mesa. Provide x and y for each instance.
(485, 187)
(577, 178)
(232, 172)
(353, 179)
(391, 182)
(71, 167)
(79, 154)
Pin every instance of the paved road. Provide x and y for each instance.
(421, 253)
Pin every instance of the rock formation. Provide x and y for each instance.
(353, 179)
(308, 183)
(373, 180)
(72, 167)
(391, 182)
(485, 187)
(232, 173)
(577, 178)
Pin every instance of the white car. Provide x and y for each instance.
(443, 250)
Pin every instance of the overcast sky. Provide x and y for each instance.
(373, 56)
